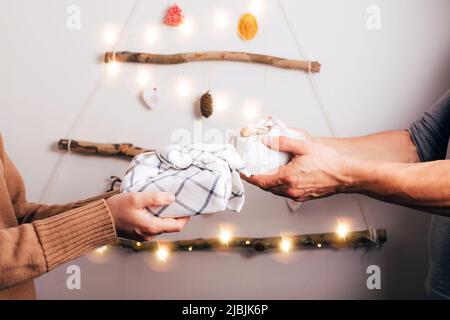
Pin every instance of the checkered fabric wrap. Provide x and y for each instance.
(203, 177)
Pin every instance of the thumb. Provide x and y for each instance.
(295, 146)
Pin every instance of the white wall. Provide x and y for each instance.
(371, 80)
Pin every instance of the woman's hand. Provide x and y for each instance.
(315, 170)
(133, 221)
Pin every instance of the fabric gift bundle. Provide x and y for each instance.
(205, 177)
(257, 157)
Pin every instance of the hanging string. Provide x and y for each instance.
(265, 85)
(318, 96)
(49, 187)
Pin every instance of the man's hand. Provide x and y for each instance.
(315, 170)
(133, 221)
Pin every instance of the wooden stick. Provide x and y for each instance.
(365, 238)
(108, 149)
(137, 57)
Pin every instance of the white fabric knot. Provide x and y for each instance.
(177, 156)
(257, 157)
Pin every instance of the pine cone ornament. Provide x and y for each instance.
(206, 105)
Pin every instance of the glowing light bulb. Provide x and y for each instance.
(183, 88)
(250, 111)
(247, 242)
(162, 253)
(101, 250)
(221, 19)
(110, 35)
(151, 34)
(190, 248)
(342, 230)
(186, 27)
(138, 244)
(142, 78)
(113, 67)
(220, 102)
(285, 244)
(225, 235)
(256, 7)
(319, 245)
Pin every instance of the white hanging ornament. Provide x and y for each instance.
(151, 97)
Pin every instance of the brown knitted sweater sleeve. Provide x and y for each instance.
(73, 233)
(31, 249)
(46, 236)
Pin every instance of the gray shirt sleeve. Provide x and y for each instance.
(431, 132)
(430, 135)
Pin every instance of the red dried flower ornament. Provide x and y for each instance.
(174, 16)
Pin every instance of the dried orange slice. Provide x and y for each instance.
(248, 26)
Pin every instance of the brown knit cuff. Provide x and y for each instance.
(105, 196)
(71, 234)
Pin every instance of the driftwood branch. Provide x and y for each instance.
(107, 149)
(137, 57)
(365, 238)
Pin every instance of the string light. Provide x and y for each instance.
(220, 102)
(113, 67)
(285, 244)
(221, 19)
(342, 229)
(151, 35)
(183, 88)
(225, 235)
(162, 253)
(186, 27)
(101, 250)
(250, 111)
(256, 7)
(363, 238)
(142, 78)
(110, 35)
